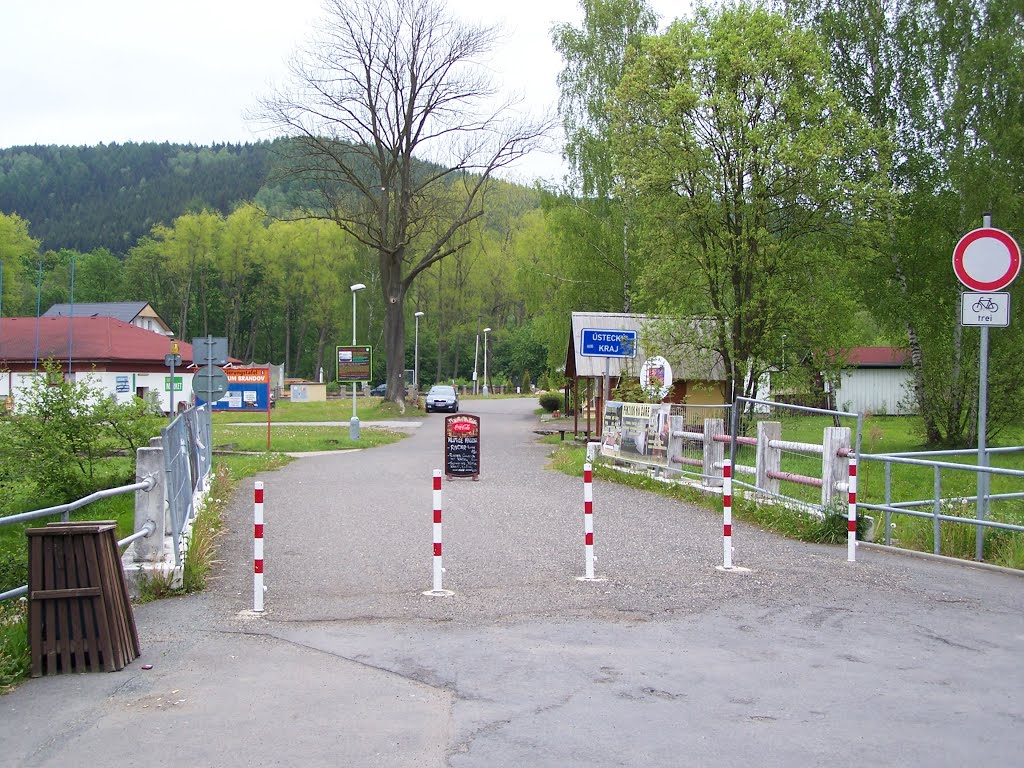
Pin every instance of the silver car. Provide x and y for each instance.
(441, 397)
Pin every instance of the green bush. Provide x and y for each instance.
(551, 402)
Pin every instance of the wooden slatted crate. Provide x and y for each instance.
(79, 613)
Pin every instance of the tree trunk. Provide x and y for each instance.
(394, 341)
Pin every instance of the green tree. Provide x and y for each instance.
(593, 216)
(750, 175)
(19, 252)
(99, 276)
(944, 80)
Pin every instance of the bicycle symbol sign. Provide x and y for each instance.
(985, 304)
(991, 309)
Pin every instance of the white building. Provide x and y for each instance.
(876, 380)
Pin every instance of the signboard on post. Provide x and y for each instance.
(210, 350)
(985, 260)
(991, 309)
(462, 446)
(354, 363)
(656, 377)
(209, 384)
(607, 342)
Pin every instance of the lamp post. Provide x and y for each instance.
(353, 425)
(416, 354)
(486, 331)
(476, 355)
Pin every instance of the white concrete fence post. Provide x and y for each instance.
(714, 452)
(676, 424)
(150, 505)
(834, 468)
(768, 459)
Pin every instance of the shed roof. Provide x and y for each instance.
(875, 357)
(687, 364)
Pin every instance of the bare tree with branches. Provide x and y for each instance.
(394, 120)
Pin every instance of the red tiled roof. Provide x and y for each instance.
(94, 340)
(876, 357)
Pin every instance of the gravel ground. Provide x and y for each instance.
(805, 660)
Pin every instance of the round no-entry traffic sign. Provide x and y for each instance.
(986, 259)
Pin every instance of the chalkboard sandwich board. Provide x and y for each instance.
(462, 446)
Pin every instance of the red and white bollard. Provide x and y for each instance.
(727, 513)
(588, 520)
(851, 515)
(588, 525)
(727, 521)
(257, 562)
(438, 590)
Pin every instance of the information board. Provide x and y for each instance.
(354, 363)
(462, 445)
(248, 389)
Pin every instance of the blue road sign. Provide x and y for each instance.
(607, 342)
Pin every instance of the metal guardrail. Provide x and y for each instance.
(64, 510)
(937, 502)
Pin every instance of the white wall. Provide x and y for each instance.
(110, 381)
(876, 390)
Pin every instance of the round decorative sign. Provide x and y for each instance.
(656, 377)
(986, 259)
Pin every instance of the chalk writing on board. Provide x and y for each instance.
(462, 445)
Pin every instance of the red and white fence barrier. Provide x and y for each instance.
(257, 570)
(851, 515)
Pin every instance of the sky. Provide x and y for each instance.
(106, 71)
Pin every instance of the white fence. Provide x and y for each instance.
(684, 443)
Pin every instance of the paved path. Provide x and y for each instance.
(807, 660)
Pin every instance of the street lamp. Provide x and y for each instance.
(476, 355)
(353, 425)
(486, 331)
(416, 354)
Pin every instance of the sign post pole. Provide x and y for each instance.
(174, 353)
(981, 507)
(984, 260)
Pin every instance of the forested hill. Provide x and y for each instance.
(109, 195)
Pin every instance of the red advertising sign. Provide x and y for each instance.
(462, 445)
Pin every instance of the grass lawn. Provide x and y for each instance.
(367, 409)
(284, 437)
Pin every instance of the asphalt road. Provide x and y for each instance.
(805, 660)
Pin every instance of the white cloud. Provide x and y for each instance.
(109, 71)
